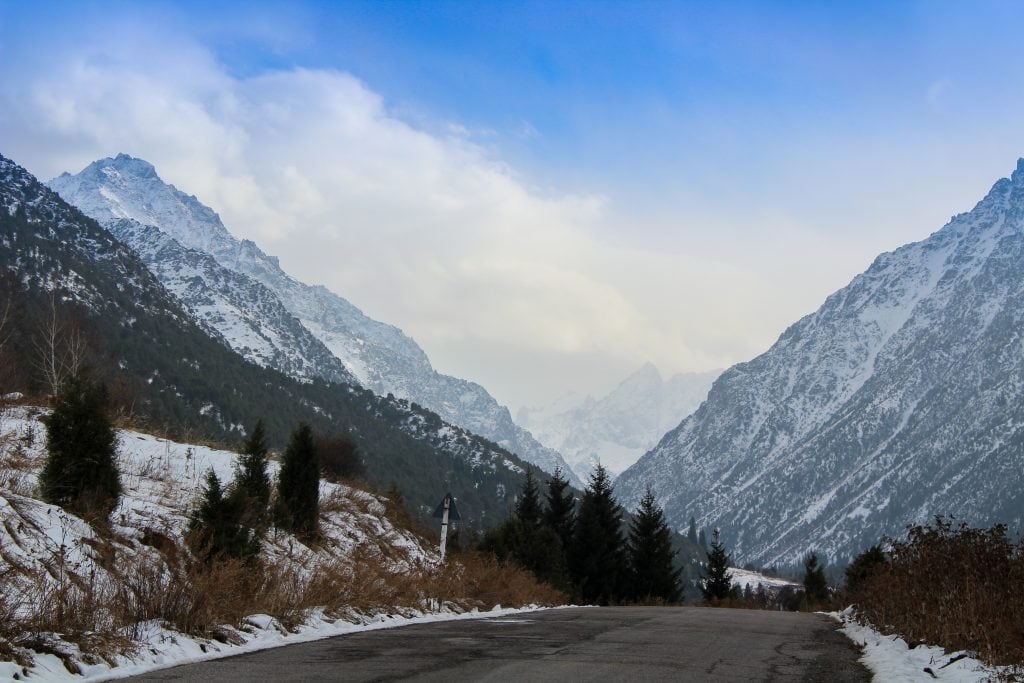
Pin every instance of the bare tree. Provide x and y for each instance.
(60, 346)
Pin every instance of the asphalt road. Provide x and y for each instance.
(577, 644)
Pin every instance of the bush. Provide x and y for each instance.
(339, 457)
(954, 586)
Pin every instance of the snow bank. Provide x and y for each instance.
(892, 660)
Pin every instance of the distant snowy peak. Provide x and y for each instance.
(380, 356)
(617, 429)
(895, 401)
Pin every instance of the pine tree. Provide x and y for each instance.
(560, 515)
(80, 473)
(864, 566)
(251, 489)
(298, 486)
(216, 529)
(815, 583)
(691, 533)
(702, 539)
(652, 573)
(597, 559)
(528, 509)
(717, 584)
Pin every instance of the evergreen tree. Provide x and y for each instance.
(864, 566)
(80, 473)
(691, 533)
(717, 584)
(652, 573)
(528, 509)
(525, 540)
(216, 530)
(598, 559)
(560, 515)
(298, 486)
(702, 539)
(251, 490)
(815, 583)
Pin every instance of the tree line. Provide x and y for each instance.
(583, 548)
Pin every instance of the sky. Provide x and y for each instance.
(545, 195)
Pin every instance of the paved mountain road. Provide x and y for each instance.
(576, 644)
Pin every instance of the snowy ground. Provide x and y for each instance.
(43, 547)
(162, 648)
(745, 577)
(891, 660)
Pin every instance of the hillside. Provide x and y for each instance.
(68, 274)
(901, 398)
(101, 601)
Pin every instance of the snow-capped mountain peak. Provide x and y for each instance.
(618, 428)
(380, 356)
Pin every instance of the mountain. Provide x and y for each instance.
(617, 429)
(234, 307)
(901, 398)
(378, 355)
(61, 270)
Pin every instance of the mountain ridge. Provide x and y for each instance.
(379, 356)
(873, 411)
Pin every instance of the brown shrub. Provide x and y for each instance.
(953, 586)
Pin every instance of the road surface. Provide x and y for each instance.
(576, 644)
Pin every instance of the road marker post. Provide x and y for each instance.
(446, 511)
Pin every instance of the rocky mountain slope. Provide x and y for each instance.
(378, 355)
(901, 398)
(618, 428)
(169, 372)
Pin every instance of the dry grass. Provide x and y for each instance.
(953, 586)
(105, 613)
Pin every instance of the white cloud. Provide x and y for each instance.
(428, 231)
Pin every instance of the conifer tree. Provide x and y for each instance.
(717, 584)
(652, 573)
(560, 515)
(528, 509)
(691, 533)
(524, 539)
(815, 583)
(80, 473)
(864, 566)
(251, 489)
(298, 486)
(702, 539)
(598, 559)
(216, 530)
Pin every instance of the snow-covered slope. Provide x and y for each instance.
(234, 307)
(902, 397)
(617, 429)
(380, 356)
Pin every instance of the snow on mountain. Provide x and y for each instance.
(617, 429)
(231, 306)
(899, 399)
(380, 356)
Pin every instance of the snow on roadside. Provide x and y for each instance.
(891, 660)
(161, 482)
(161, 648)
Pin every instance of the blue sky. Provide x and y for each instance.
(664, 181)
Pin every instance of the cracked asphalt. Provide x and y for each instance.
(575, 644)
